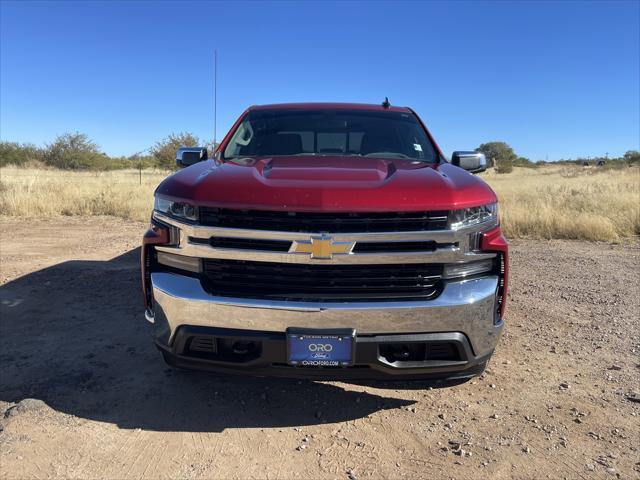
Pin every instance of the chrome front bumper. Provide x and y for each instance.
(466, 306)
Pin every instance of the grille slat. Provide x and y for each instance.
(250, 282)
(203, 344)
(315, 280)
(238, 278)
(292, 285)
(250, 244)
(371, 247)
(283, 246)
(268, 279)
(316, 222)
(303, 273)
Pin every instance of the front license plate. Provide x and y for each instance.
(320, 348)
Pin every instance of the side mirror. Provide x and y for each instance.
(187, 156)
(474, 162)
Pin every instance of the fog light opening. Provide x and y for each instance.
(243, 348)
(400, 352)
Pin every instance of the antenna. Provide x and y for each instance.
(215, 99)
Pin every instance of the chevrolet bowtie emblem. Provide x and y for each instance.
(322, 247)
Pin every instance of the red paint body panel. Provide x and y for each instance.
(156, 235)
(326, 184)
(494, 241)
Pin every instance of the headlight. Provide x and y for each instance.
(473, 216)
(176, 209)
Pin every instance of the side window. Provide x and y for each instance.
(240, 140)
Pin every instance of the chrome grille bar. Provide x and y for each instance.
(194, 242)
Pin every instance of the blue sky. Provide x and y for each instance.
(551, 79)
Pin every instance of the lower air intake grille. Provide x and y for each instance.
(278, 281)
(203, 344)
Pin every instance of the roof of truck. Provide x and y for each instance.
(332, 106)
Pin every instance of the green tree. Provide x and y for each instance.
(74, 151)
(141, 161)
(632, 157)
(499, 155)
(164, 151)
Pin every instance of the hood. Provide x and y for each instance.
(312, 183)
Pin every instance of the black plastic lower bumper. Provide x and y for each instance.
(428, 356)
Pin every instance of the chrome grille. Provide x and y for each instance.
(284, 245)
(280, 281)
(317, 222)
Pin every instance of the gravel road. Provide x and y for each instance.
(84, 394)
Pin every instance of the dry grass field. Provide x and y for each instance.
(563, 202)
(26, 192)
(569, 202)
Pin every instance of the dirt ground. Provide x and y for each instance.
(84, 394)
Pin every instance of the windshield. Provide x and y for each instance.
(366, 133)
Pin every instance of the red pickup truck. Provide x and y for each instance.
(329, 241)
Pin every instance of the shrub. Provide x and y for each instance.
(75, 151)
(524, 162)
(504, 167)
(164, 151)
(499, 155)
(13, 153)
(632, 157)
